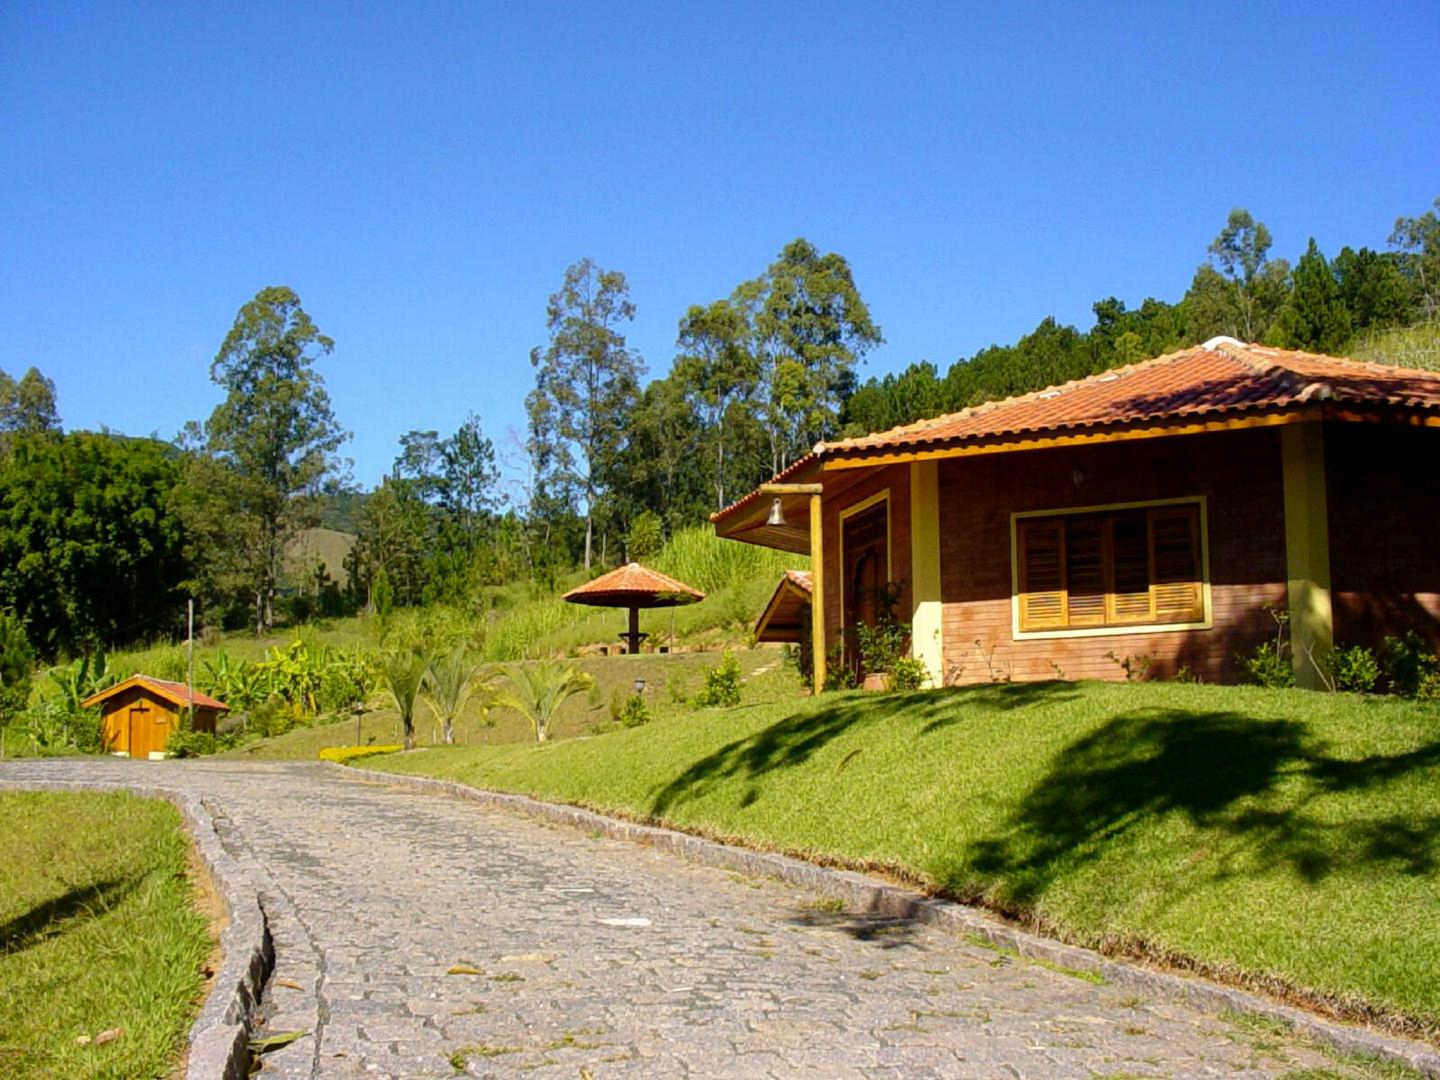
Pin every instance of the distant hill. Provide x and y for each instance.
(330, 546)
(340, 510)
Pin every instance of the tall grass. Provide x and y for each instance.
(700, 558)
(1415, 346)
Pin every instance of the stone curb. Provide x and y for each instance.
(871, 895)
(219, 1038)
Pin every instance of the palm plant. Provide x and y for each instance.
(403, 671)
(452, 679)
(540, 689)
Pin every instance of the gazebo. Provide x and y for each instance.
(634, 587)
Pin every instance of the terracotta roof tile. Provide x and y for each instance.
(634, 586)
(1221, 376)
(174, 692)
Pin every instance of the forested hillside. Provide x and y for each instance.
(103, 537)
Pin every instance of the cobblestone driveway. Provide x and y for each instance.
(420, 935)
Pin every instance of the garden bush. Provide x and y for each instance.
(722, 684)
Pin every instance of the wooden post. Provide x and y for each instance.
(1307, 551)
(190, 663)
(634, 633)
(926, 630)
(817, 596)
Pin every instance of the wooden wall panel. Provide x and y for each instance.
(1384, 505)
(1238, 472)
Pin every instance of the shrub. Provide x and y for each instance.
(184, 744)
(629, 710)
(908, 674)
(838, 674)
(1269, 665)
(16, 661)
(1355, 669)
(722, 684)
(1408, 665)
(883, 645)
(343, 755)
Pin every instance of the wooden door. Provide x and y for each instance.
(141, 721)
(865, 539)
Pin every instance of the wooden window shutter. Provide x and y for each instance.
(1130, 599)
(1042, 574)
(1086, 541)
(1176, 588)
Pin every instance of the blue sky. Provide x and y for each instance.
(422, 173)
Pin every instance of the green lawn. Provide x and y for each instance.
(1287, 837)
(98, 932)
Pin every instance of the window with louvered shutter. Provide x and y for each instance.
(1042, 575)
(1114, 568)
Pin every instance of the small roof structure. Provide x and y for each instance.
(634, 586)
(785, 616)
(178, 694)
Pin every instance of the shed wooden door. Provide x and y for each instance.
(142, 721)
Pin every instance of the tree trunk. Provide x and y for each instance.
(409, 734)
(449, 731)
(589, 535)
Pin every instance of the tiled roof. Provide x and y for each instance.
(1222, 376)
(634, 586)
(780, 621)
(174, 692)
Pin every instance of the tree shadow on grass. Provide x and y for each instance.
(49, 918)
(1252, 781)
(791, 742)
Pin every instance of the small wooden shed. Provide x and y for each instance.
(138, 715)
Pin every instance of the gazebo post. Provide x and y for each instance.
(634, 634)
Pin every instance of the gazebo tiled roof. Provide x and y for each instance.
(634, 585)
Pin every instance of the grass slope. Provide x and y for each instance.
(670, 680)
(97, 932)
(1287, 839)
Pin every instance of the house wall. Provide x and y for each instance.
(1383, 497)
(1240, 475)
(897, 479)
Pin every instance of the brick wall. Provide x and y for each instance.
(1238, 472)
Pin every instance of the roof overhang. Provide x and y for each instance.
(835, 469)
(785, 615)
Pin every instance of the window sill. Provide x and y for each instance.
(1112, 631)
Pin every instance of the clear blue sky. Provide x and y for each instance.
(422, 173)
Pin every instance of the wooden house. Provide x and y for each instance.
(1162, 513)
(138, 715)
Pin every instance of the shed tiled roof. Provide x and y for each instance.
(1219, 379)
(780, 621)
(177, 693)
